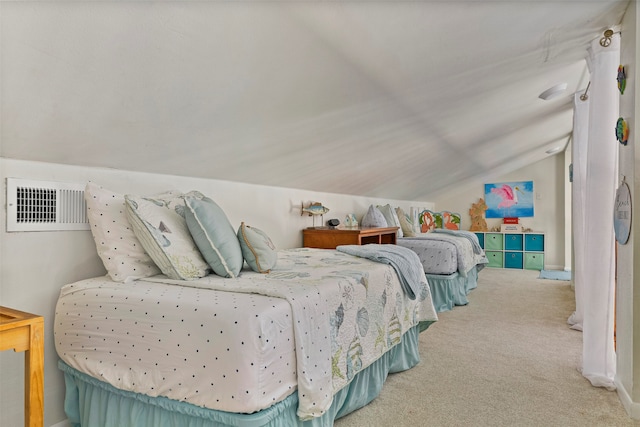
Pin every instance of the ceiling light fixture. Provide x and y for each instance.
(553, 91)
(554, 150)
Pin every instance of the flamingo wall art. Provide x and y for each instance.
(509, 199)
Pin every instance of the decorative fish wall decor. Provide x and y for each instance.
(314, 209)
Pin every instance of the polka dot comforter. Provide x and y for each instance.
(242, 344)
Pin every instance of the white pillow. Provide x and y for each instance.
(391, 217)
(160, 226)
(405, 223)
(118, 247)
(373, 218)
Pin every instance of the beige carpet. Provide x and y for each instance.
(506, 359)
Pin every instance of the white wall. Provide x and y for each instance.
(34, 265)
(548, 177)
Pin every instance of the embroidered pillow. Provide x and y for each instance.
(405, 223)
(118, 247)
(391, 217)
(450, 220)
(373, 218)
(428, 221)
(257, 248)
(214, 236)
(159, 224)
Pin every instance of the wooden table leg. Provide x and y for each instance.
(34, 376)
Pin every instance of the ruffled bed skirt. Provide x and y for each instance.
(90, 402)
(449, 291)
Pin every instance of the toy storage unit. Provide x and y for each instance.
(513, 250)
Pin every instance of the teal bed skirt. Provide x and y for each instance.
(93, 403)
(449, 291)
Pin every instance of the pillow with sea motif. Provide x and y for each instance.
(160, 225)
(257, 248)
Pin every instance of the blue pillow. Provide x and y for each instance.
(257, 248)
(214, 236)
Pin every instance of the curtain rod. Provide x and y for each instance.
(585, 95)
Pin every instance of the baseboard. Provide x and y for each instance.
(64, 423)
(632, 408)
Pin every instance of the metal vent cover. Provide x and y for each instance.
(45, 206)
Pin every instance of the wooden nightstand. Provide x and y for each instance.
(329, 238)
(22, 331)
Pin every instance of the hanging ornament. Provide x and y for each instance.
(622, 131)
(622, 79)
(622, 213)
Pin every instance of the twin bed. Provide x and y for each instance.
(290, 337)
(451, 261)
(309, 342)
(294, 337)
(451, 258)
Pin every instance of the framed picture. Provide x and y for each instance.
(509, 199)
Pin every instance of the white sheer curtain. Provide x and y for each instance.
(579, 147)
(596, 283)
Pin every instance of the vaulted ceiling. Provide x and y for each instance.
(390, 99)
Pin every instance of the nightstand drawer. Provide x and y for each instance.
(330, 238)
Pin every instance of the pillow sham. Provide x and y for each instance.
(373, 218)
(159, 224)
(257, 248)
(214, 236)
(118, 247)
(391, 217)
(405, 223)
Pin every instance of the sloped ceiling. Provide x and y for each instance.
(399, 100)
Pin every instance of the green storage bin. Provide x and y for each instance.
(496, 259)
(534, 261)
(493, 241)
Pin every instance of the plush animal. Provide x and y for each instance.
(476, 213)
